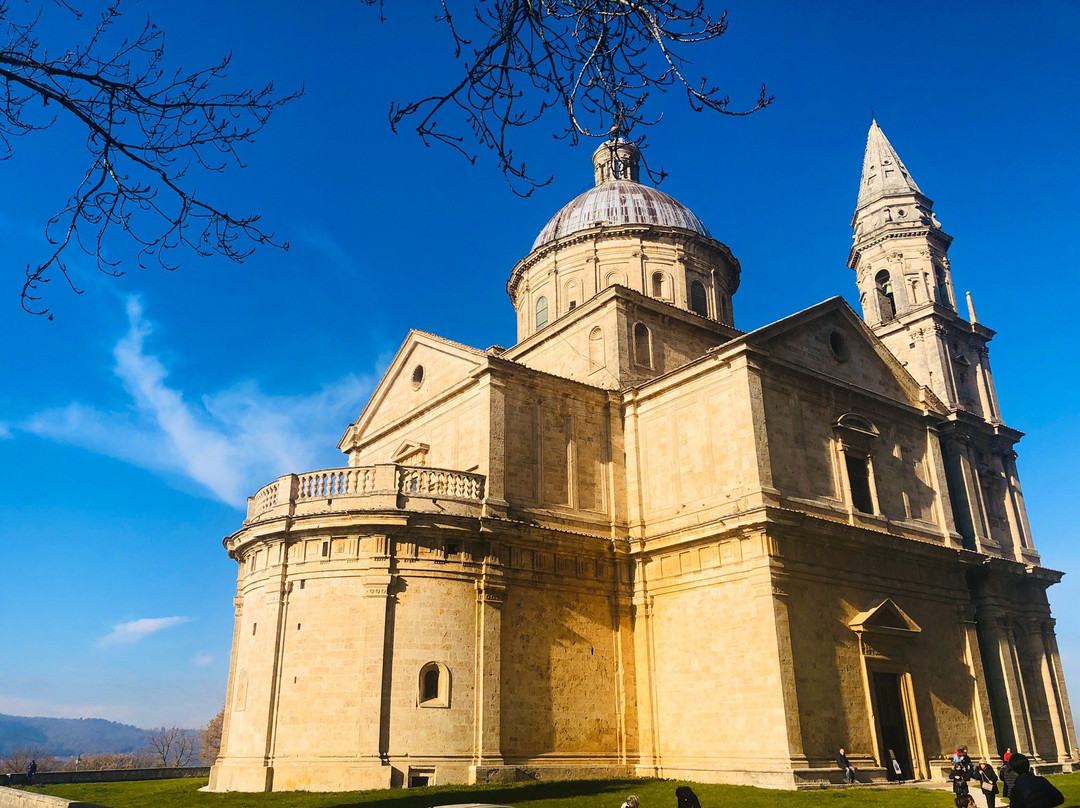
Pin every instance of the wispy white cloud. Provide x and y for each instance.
(135, 630)
(5, 430)
(229, 442)
(202, 660)
(330, 248)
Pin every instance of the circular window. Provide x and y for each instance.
(838, 346)
(417, 377)
(901, 213)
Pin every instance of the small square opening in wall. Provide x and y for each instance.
(421, 778)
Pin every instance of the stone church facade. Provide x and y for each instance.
(641, 541)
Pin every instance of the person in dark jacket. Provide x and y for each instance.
(31, 770)
(1030, 790)
(845, 766)
(1008, 777)
(987, 783)
(959, 780)
(686, 798)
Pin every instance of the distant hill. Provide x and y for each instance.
(64, 737)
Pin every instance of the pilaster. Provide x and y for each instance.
(374, 674)
(490, 596)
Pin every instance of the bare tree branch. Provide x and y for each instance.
(173, 746)
(591, 62)
(145, 127)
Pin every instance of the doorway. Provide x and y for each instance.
(892, 726)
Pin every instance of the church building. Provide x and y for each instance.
(643, 542)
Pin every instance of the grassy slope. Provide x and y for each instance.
(577, 794)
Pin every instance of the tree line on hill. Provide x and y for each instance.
(170, 746)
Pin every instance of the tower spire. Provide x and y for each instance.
(905, 284)
(883, 172)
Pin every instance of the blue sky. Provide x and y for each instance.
(134, 425)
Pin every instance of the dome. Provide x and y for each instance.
(619, 202)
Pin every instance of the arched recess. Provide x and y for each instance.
(661, 286)
(597, 358)
(614, 278)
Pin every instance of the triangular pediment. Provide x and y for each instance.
(885, 618)
(425, 368)
(832, 341)
(411, 453)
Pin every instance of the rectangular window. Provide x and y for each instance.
(859, 479)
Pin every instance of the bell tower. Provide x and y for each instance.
(901, 263)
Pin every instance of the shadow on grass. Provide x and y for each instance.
(512, 793)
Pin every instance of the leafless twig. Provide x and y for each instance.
(591, 62)
(146, 127)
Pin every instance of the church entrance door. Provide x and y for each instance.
(892, 725)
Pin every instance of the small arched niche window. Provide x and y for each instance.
(596, 349)
(661, 286)
(699, 303)
(642, 345)
(434, 686)
(886, 300)
(541, 312)
(573, 295)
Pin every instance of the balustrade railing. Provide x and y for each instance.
(352, 483)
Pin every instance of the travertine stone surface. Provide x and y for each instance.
(643, 542)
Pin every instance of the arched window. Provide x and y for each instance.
(857, 437)
(642, 345)
(541, 312)
(698, 301)
(886, 301)
(596, 349)
(942, 285)
(573, 295)
(434, 686)
(660, 286)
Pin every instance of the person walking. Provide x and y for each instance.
(845, 766)
(987, 783)
(31, 770)
(959, 780)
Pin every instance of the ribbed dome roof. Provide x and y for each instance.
(618, 202)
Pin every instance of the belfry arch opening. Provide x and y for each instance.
(886, 299)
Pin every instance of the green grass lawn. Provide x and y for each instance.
(572, 794)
